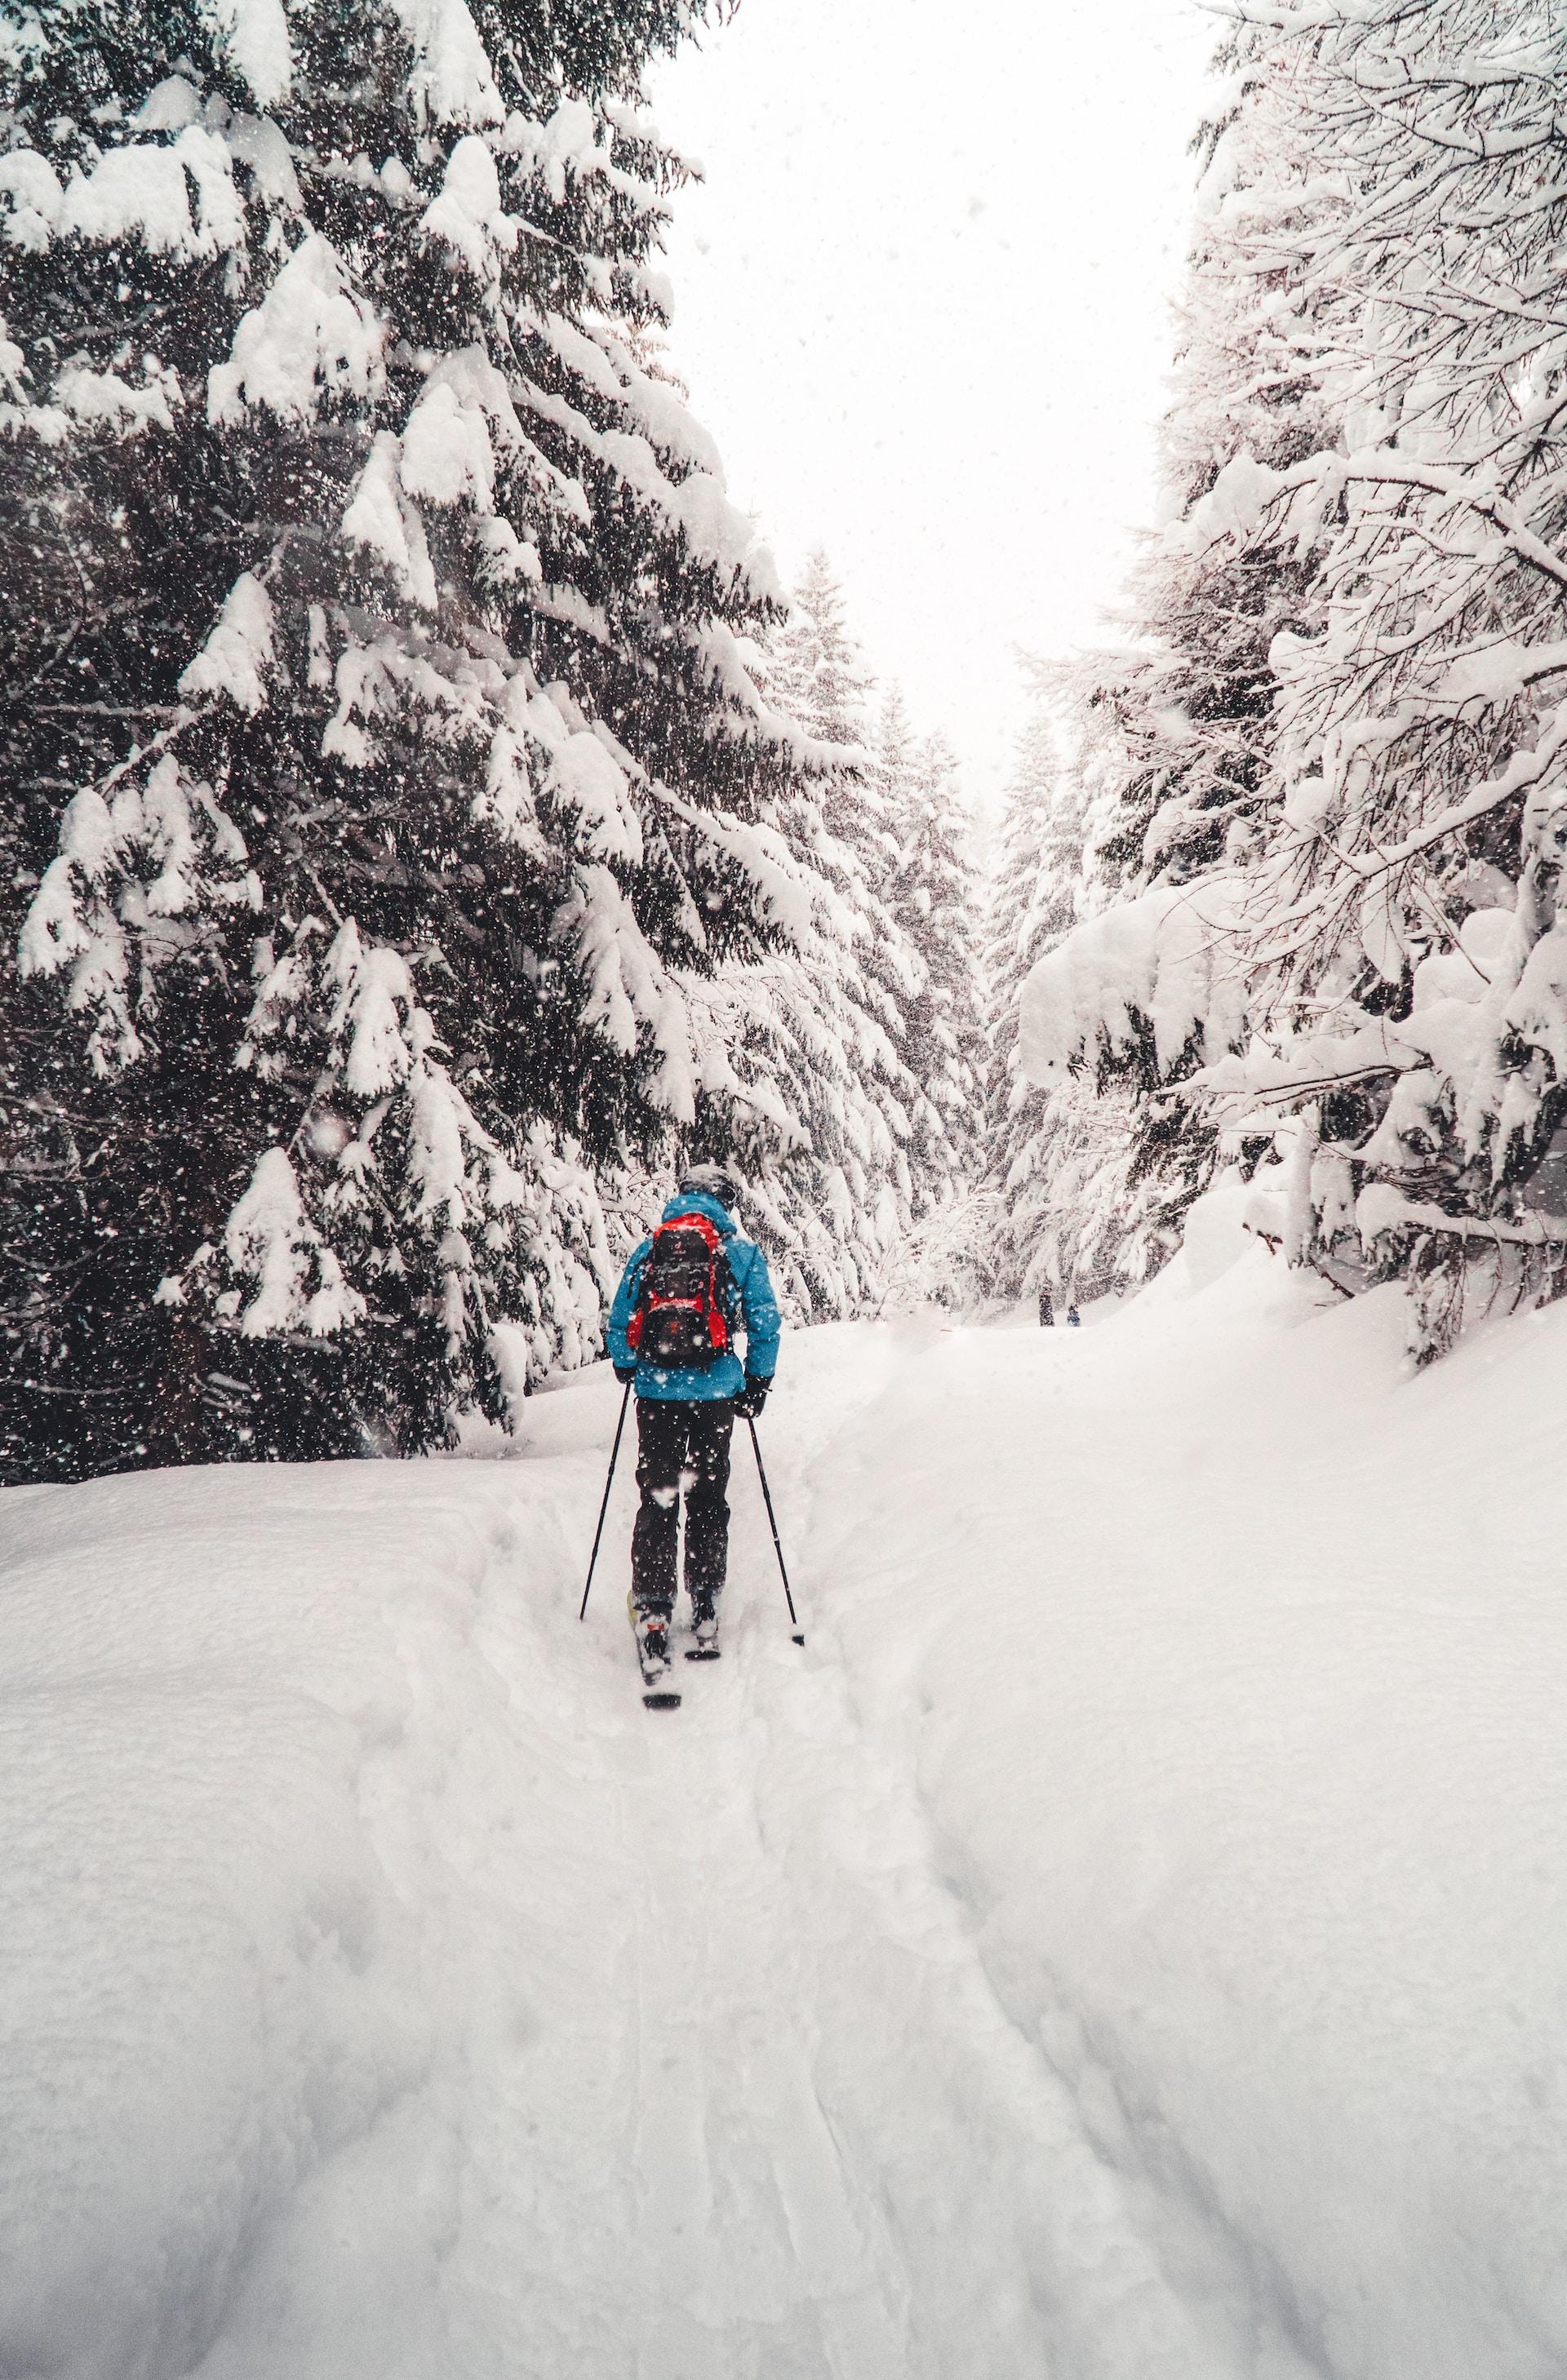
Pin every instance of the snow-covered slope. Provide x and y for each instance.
(1128, 1943)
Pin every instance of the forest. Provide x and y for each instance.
(479, 940)
(432, 822)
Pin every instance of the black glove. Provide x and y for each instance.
(751, 1399)
(626, 1374)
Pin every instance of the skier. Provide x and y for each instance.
(688, 1287)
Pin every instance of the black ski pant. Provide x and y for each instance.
(681, 1445)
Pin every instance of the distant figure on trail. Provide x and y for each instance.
(688, 1289)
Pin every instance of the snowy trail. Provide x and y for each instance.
(836, 2153)
(1125, 1944)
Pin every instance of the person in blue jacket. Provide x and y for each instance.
(684, 1418)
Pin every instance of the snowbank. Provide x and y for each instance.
(1229, 1661)
(220, 1968)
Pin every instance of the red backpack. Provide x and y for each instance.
(680, 1324)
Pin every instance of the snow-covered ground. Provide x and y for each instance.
(1129, 1942)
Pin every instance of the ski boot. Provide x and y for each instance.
(704, 1625)
(651, 1629)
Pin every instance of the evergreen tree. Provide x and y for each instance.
(896, 747)
(384, 762)
(1407, 997)
(806, 1084)
(1032, 902)
(817, 668)
(933, 903)
(1176, 731)
(821, 678)
(1076, 1200)
(1374, 958)
(1172, 738)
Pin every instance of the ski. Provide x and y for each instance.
(704, 1652)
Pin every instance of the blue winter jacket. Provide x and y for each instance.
(751, 1306)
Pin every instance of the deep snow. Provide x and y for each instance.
(1127, 1943)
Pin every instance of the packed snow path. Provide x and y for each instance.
(1126, 1943)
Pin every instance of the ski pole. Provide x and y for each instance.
(772, 1517)
(614, 1457)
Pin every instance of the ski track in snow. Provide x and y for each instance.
(1047, 1971)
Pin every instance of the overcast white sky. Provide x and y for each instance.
(922, 301)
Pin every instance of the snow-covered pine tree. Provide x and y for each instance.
(1409, 993)
(818, 1101)
(1170, 738)
(381, 751)
(815, 660)
(933, 903)
(1380, 962)
(897, 748)
(819, 670)
(1177, 727)
(785, 1052)
(1032, 902)
(1071, 1203)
